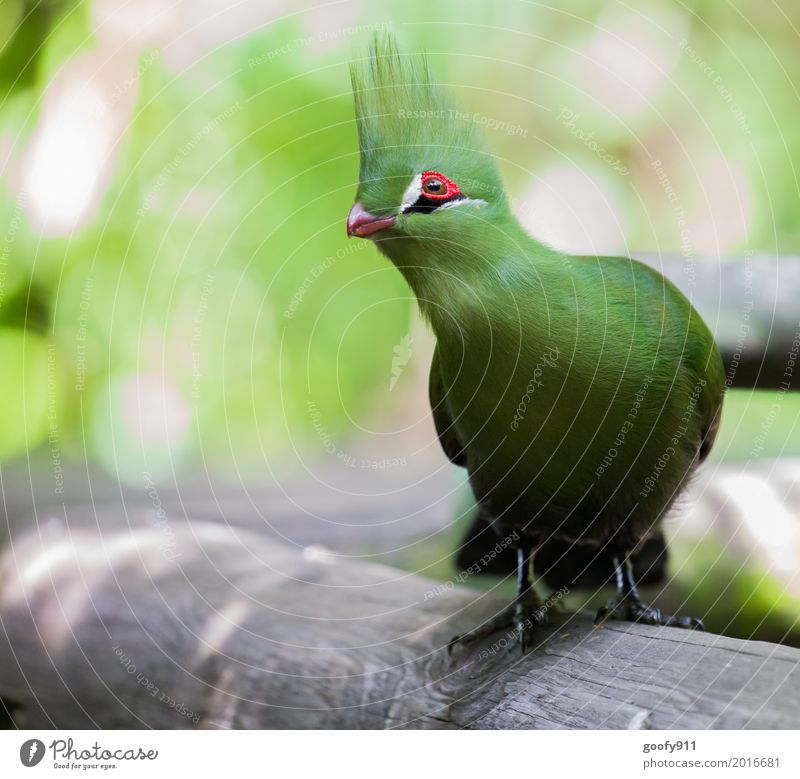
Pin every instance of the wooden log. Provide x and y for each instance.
(205, 626)
(352, 510)
(750, 304)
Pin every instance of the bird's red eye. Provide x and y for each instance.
(437, 186)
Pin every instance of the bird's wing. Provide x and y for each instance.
(700, 352)
(448, 436)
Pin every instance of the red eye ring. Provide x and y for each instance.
(450, 187)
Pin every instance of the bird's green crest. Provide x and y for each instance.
(407, 123)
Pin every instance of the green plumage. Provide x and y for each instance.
(579, 392)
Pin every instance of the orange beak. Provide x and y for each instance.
(361, 223)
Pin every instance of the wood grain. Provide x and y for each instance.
(228, 629)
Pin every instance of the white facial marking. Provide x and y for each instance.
(412, 194)
(464, 202)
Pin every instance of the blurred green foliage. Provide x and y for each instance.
(215, 261)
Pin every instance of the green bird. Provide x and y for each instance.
(579, 392)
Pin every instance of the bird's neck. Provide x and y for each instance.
(471, 277)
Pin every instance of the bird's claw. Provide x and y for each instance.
(688, 623)
(485, 630)
(631, 609)
(526, 620)
(523, 617)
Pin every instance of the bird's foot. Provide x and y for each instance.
(527, 617)
(523, 616)
(629, 608)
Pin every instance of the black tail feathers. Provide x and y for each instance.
(560, 563)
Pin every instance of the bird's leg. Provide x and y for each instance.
(524, 614)
(627, 604)
(528, 613)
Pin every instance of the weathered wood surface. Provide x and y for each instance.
(352, 510)
(222, 628)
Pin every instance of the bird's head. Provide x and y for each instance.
(424, 171)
